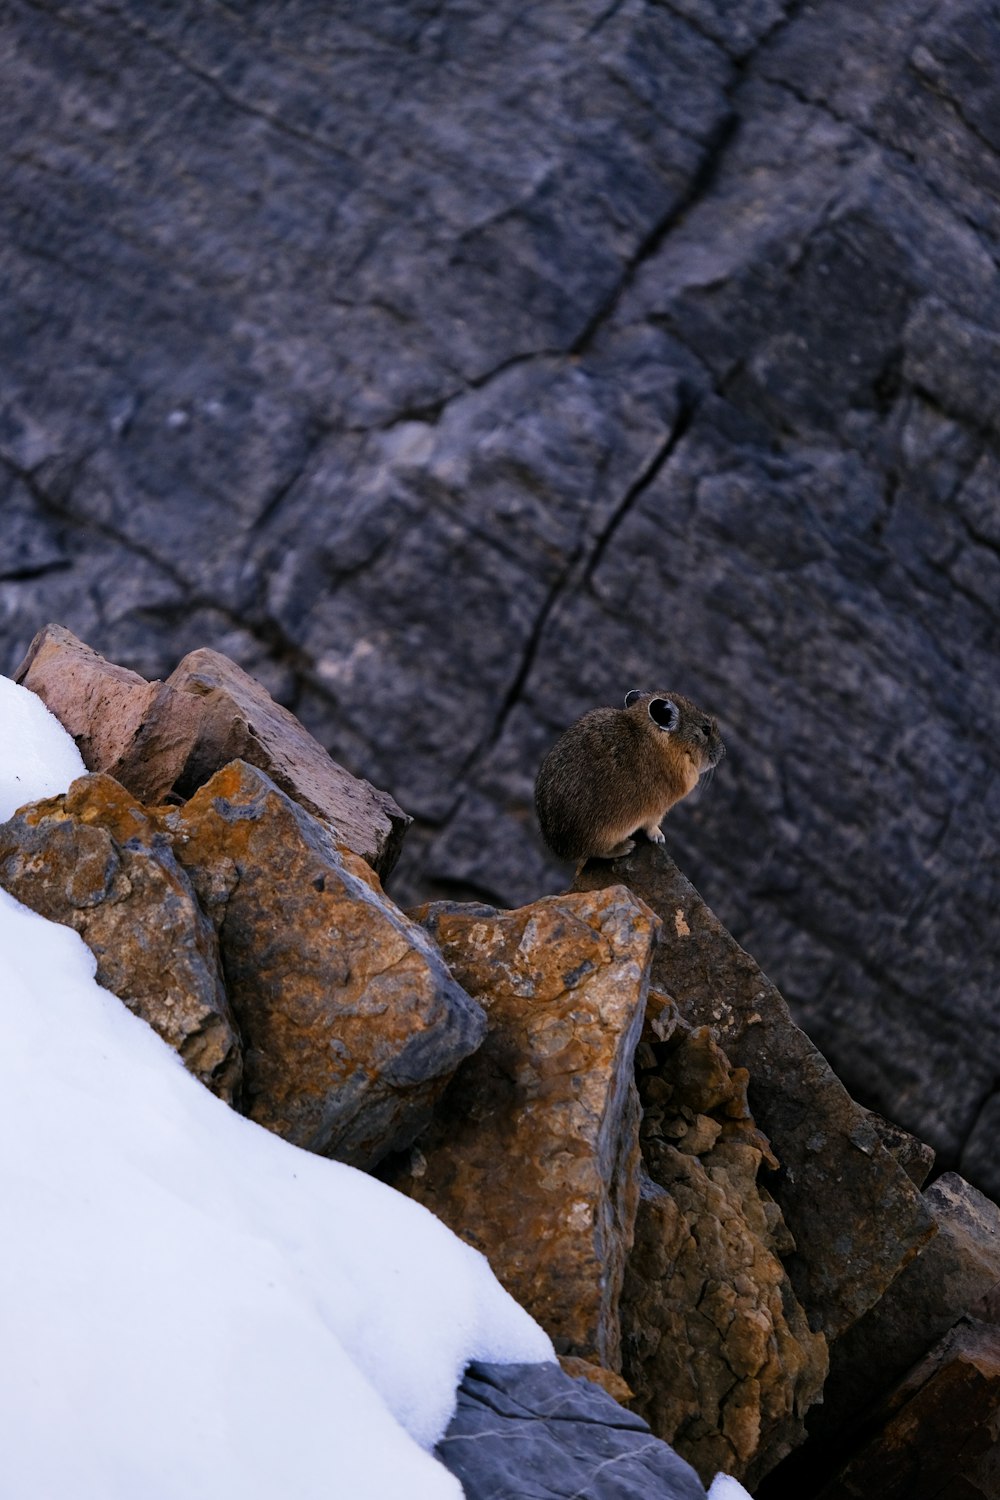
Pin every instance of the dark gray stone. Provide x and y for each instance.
(457, 369)
(529, 1432)
(957, 1273)
(980, 1160)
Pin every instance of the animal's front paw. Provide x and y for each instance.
(620, 850)
(655, 834)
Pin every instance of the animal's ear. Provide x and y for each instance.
(665, 713)
(633, 697)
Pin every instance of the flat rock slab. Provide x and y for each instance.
(94, 860)
(162, 737)
(856, 1217)
(352, 1025)
(530, 1432)
(533, 1153)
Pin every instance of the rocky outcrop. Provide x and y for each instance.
(835, 1169)
(515, 1421)
(95, 860)
(163, 738)
(534, 1152)
(455, 372)
(717, 1348)
(351, 1023)
(673, 1180)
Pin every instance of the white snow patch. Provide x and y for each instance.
(726, 1488)
(37, 757)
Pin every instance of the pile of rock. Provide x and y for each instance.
(600, 1090)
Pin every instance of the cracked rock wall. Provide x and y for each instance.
(457, 367)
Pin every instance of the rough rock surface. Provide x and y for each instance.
(351, 1023)
(958, 1273)
(171, 737)
(855, 1216)
(716, 1346)
(659, 341)
(96, 861)
(102, 705)
(529, 1432)
(939, 1432)
(533, 1154)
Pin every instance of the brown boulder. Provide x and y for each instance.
(351, 1023)
(162, 737)
(533, 1152)
(856, 1217)
(96, 861)
(716, 1346)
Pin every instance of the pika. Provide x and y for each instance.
(617, 770)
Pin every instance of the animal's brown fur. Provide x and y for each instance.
(616, 770)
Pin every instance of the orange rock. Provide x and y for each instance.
(352, 1024)
(96, 861)
(585, 1369)
(533, 1153)
(717, 1348)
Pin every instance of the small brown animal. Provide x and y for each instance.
(617, 770)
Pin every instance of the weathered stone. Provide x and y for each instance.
(716, 1346)
(533, 1153)
(958, 1273)
(106, 708)
(232, 717)
(939, 1432)
(96, 861)
(669, 340)
(855, 1216)
(690, 353)
(617, 1388)
(350, 1021)
(530, 1430)
(915, 1157)
(167, 737)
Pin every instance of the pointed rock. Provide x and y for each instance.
(533, 1152)
(233, 718)
(352, 1024)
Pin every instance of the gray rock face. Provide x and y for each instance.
(527, 1431)
(456, 371)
